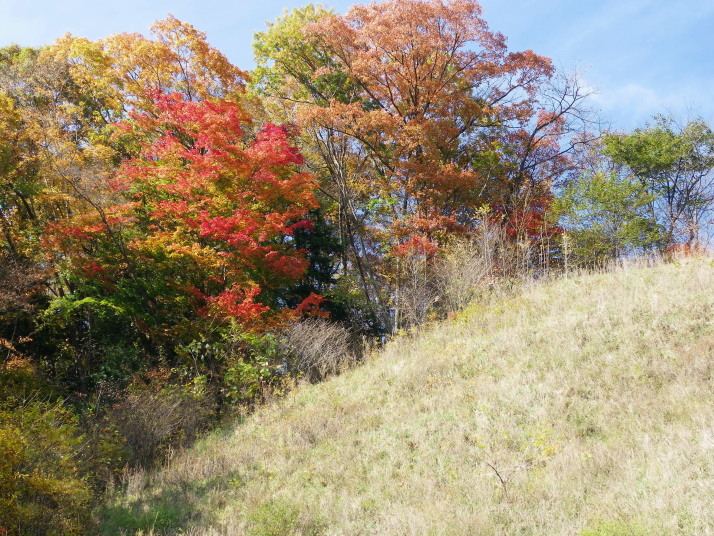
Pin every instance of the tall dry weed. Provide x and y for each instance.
(317, 348)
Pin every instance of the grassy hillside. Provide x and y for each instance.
(580, 406)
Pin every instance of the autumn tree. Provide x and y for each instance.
(32, 191)
(202, 227)
(60, 107)
(418, 115)
(123, 69)
(77, 317)
(287, 63)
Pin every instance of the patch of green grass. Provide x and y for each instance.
(146, 516)
(619, 528)
(279, 517)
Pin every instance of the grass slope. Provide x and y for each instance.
(580, 406)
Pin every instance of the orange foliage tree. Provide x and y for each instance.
(419, 116)
(122, 70)
(431, 78)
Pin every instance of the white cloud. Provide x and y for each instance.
(630, 105)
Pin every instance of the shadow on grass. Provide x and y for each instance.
(165, 512)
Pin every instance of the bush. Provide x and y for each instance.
(434, 286)
(417, 292)
(151, 420)
(250, 362)
(42, 490)
(317, 348)
(468, 265)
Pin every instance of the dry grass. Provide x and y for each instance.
(580, 406)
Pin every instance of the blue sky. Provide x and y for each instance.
(642, 56)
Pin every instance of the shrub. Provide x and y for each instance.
(436, 285)
(418, 290)
(151, 420)
(318, 348)
(250, 360)
(468, 265)
(42, 490)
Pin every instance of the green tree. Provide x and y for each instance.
(674, 162)
(605, 215)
